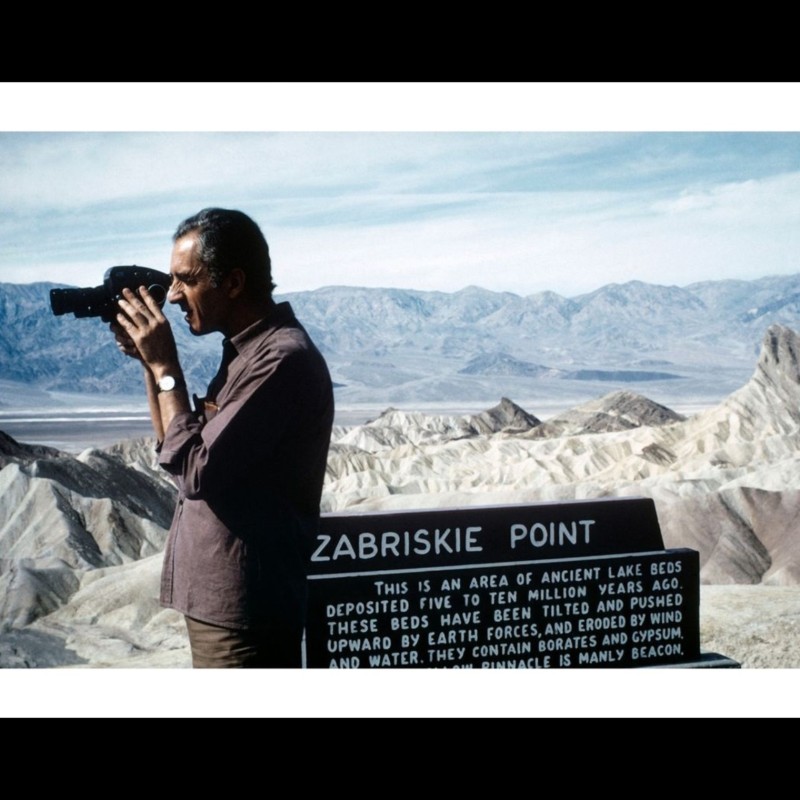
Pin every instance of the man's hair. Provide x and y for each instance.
(227, 240)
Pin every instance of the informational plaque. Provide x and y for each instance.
(581, 584)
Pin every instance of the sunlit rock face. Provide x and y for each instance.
(725, 481)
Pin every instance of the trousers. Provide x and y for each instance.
(214, 647)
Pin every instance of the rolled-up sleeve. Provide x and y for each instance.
(182, 434)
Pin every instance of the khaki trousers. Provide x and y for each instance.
(214, 647)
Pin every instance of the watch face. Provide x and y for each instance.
(167, 383)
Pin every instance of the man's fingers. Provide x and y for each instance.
(142, 303)
(148, 329)
(124, 321)
(128, 349)
(123, 340)
(132, 305)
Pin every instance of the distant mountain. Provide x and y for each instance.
(503, 364)
(396, 345)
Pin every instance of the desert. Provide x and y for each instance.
(81, 535)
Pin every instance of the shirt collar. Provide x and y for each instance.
(280, 315)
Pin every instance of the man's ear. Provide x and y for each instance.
(236, 280)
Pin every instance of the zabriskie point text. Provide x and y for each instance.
(439, 541)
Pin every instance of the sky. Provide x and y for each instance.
(512, 187)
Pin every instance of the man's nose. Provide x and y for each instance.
(174, 293)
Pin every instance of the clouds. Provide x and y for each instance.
(520, 212)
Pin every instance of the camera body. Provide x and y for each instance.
(101, 301)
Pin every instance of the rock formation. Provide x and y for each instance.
(80, 537)
(724, 481)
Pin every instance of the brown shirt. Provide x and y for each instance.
(249, 466)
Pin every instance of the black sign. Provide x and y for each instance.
(351, 543)
(612, 611)
(551, 585)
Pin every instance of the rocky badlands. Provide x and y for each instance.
(81, 536)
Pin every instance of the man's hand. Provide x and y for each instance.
(142, 331)
(145, 333)
(125, 344)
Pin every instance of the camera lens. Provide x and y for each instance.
(88, 302)
(61, 300)
(158, 293)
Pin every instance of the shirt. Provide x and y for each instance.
(249, 466)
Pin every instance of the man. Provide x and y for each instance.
(249, 460)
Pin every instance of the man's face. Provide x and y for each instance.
(202, 303)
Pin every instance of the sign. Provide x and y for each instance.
(458, 536)
(582, 584)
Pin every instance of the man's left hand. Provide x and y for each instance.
(145, 324)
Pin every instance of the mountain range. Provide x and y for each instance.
(405, 346)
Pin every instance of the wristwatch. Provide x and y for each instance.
(168, 383)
